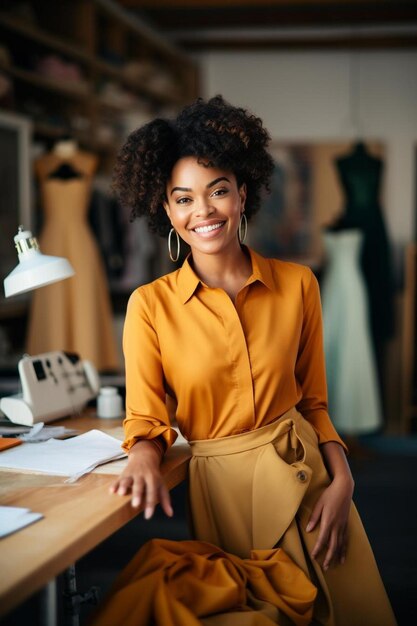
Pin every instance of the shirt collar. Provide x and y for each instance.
(261, 270)
(188, 281)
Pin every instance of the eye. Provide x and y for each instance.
(220, 192)
(183, 200)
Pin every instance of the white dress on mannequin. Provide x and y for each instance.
(354, 402)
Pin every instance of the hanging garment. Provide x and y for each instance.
(352, 382)
(360, 175)
(74, 314)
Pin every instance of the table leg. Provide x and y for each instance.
(73, 599)
(48, 601)
(72, 607)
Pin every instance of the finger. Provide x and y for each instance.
(114, 487)
(137, 492)
(331, 552)
(315, 518)
(124, 485)
(165, 500)
(321, 542)
(151, 499)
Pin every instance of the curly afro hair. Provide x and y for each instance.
(217, 133)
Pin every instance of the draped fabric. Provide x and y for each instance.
(188, 583)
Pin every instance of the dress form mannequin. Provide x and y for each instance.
(360, 174)
(66, 152)
(74, 314)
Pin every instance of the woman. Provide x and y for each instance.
(236, 340)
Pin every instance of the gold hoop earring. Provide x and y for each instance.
(170, 248)
(243, 228)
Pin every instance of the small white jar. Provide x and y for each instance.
(109, 403)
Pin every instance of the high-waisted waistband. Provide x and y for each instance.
(249, 439)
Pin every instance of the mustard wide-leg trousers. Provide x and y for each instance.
(257, 490)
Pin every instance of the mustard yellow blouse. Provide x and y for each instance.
(231, 367)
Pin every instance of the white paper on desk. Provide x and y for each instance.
(14, 518)
(69, 457)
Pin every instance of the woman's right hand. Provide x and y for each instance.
(143, 479)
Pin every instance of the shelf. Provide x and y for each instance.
(31, 78)
(123, 65)
(57, 44)
(40, 36)
(49, 130)
(144, 31)
(56, 132)
(84, 94)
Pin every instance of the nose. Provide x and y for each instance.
(203, 208)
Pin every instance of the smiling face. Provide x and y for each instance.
(204, 205)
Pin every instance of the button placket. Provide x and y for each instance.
(241, 361)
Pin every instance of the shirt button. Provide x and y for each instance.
(302, 476)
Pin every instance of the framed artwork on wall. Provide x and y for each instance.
(285, 225)
(306, 196)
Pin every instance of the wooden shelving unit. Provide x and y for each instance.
(122, 67)
(111, 48)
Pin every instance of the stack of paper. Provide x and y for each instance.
(14, 518)
(40, 432)
(70, 457)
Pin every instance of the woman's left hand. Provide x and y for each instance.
(332, 512)
(332, 508)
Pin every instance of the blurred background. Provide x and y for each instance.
(335, 83)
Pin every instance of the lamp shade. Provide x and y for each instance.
(34, 269)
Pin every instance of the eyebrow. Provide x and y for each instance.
(208, 186)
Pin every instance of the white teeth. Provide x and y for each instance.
(207, 229)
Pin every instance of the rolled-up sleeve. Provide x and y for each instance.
(146, 411)
(310, 367)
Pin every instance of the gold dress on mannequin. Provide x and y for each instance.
(73, 314)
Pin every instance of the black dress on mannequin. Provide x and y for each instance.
(360, 174)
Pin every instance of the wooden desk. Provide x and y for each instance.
(77, 516)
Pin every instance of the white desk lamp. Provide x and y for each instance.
(34, 269)
(57, 383)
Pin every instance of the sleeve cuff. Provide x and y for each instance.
(162, 439)
(331, 436)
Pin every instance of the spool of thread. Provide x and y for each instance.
(109, 403)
